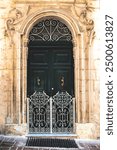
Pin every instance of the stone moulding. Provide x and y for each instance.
(34, 17)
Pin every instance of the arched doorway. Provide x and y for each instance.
(50, 77)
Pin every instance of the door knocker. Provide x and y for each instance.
(38, 81)
(62, 81)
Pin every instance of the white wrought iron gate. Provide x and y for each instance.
(51, 114)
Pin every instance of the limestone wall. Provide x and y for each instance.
(15, 17)
(5, 67)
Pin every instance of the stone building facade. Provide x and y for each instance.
(17, 18)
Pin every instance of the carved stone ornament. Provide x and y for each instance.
(15, 17)
(86, 22)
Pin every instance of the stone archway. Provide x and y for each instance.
(77, 46)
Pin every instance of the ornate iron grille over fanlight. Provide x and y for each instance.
(50, 29)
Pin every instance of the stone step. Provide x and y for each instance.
(54, 136)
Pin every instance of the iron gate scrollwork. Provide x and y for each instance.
(39, 113)
(51, 115)
(62, 113)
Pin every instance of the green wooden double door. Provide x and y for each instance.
(50, 68)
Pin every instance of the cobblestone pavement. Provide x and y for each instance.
(19, 142)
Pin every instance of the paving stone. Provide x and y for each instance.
(4, 148)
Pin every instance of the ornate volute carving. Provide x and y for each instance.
(15, 17)
(86, 23)
(89, 23)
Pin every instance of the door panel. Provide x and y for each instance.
(61, 57)
(38, 69)
(50, 69)
(38, 56)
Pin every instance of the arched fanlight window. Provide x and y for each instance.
(50, 29)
